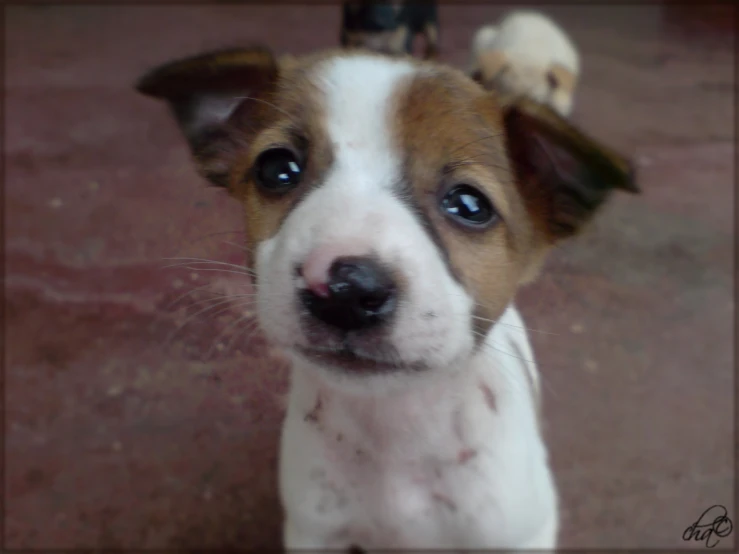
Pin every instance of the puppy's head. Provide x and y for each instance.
(553, 85)
(394, 206)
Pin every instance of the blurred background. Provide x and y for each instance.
(133, 421)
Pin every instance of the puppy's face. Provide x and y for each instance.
(393, 206)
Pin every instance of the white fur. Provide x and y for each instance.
(484, 39)
(376, 487)
(531, 43)
(532, 38)
(380, 468)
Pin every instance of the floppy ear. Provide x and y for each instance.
(210, 95)
(564, 174)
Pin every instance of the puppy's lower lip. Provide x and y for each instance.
(345, 359)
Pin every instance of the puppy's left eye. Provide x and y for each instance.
(468, 206)
(277, 170)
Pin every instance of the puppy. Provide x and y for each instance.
(527, 54)
(390, 27)
(393, 208)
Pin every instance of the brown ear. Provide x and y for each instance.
(208, 94)
(565, 175)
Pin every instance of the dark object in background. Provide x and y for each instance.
(390, 27)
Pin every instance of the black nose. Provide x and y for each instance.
(361, 294)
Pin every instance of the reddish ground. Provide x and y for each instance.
(128, 426)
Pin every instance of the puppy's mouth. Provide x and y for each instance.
(349, 360)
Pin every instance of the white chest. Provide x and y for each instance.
(460, 467)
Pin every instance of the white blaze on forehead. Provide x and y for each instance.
(359, 95)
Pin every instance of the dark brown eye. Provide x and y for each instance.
(552, 80)
(277, 170)
(468, 206)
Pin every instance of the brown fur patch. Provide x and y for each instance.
(226, 69)
(566, 80)
(295, 122)
(491, 63)
(451, 132)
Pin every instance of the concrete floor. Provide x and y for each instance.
(128, 426)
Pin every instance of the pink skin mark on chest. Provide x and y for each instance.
(465, 455)
(445, 501)
(314, 415)
(489, 397)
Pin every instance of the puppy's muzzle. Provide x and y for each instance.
(359, 294)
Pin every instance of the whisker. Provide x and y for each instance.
(191, 317)
(204, 261)
(542, 380)
(504, 171)
(213, 295)
(209, 235)
(239, 246)
(181, 297)
(511, 375)
(475, 157)
(243, 317)
(225, 331)
(498, 349)
(226, 296)
(270, 104)
(498, 322)
(184, 266)
(487, 137)
(252, 329)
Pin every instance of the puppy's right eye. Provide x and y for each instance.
(469, 207)
(277, 170)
